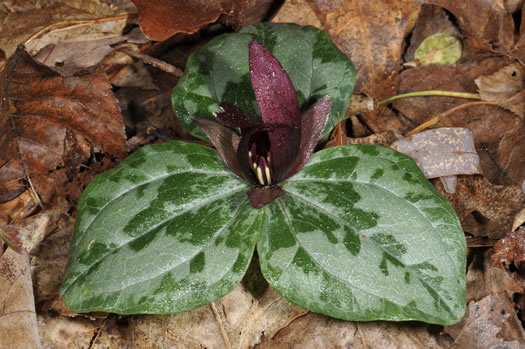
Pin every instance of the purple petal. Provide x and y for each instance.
(261, 196)
(273, 88)
(313, 124)
(225, 141)
(236, 117)
(284, 148)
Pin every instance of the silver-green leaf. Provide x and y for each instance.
(166, 231)
(219, 72)
(362, 235)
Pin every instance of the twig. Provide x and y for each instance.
(431, 93)
(361, 335)
(157, 63)
(436, 119)
(224, 335)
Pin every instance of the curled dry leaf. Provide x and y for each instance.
(18, 327)
(318, 331)
(379, 56)
(442, 152)
(491, 317)
(160, 19)
(499, 135)
(485, 209)
(480, 327)
(505, 87)
(53, 122)
(510, 249)
(486, 21)
(431, 20)
(439, 48)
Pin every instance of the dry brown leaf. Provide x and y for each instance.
(297, 11)
(510, 249)
(53, 123)
(58, 22)
(488, 21)
(431, 20)
(499, 135)
(18, 324)
(485, 209)
(491, 317)
(519, 219)
(371, 33)
(441, 152)
(63, 332)
(318, 331)
(505, 87)
(160, 19)
(480, 327)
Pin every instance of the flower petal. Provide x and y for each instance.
(261, 196)
(225, 141)
(313, 124)
(274, 91)
(284, 147)
(233, 116)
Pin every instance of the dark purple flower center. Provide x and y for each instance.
(259, 158)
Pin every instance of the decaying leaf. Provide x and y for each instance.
(18, 325)
(505, 87)
(442, 152)
(431, 20)
(318, 331)
(60, 22)
(439, 48)
(491, 318)
(53, 122)
(510, 249)
(480, 328)
(160, 19)
(299, 12)
(487, 21)
(379, 36)
(499, 135)
(485, 209)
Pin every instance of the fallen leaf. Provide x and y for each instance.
(441, 152)
(53, 122)
(491, 318)
(485, 209)
(510, 249)
(318, 331)
(498, 134)
(18, 328)
(298, 12)
(160, 19)
(481, 326)
(519, 219)
(505, 87)
(371, 33)
(488, 21)
(439, 48)
(60, 22)
(431, 20)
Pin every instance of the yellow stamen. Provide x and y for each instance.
(267, 171)
(259, 176)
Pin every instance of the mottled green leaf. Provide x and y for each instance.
(166, 231)
(439, 49)
(219, 72)
(362, 235)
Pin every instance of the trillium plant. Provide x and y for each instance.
(353, 232)
(274, 146)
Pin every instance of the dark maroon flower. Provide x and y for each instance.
(276, 145)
